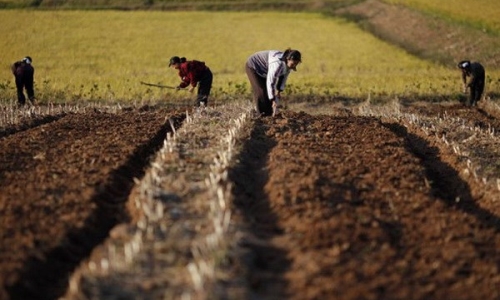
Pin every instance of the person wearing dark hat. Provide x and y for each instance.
(24, 72)
(268, 72)
(193, 73)
(475, 84)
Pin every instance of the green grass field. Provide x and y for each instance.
(103, 55)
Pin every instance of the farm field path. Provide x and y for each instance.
(425, 35)
(357, 204)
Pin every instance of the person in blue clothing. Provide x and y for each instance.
(268, 72)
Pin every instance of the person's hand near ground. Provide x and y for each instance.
(275, 106)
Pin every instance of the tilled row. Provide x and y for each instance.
(355, 208)
(347, 206)
(64, 186)
(471, 134)
(174, 248)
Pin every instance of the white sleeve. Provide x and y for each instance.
(273, 74)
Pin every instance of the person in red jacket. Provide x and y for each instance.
(193, 73)
(24, 75)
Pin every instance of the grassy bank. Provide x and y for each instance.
(480, 14)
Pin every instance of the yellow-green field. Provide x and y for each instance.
(480, 13)
(103, 55)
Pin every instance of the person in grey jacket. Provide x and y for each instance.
(268, 72)
(475, 84)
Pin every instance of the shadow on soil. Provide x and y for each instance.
(48, 278)
(264, 264)
(445, 181)
(29, 124)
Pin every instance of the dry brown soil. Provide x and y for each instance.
(334, 207)
(349, 207)
(64, 182)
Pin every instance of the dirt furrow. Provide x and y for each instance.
(472, 134)
(28, 124)
(174, 248)
(63, 187)
(344, 206)
(351, 208)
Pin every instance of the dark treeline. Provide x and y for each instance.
(232, 5)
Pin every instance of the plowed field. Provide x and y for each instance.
(395, 202)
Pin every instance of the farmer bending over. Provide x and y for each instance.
(475, 71)
(268, 71)
(191, 73)
(24, 74)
